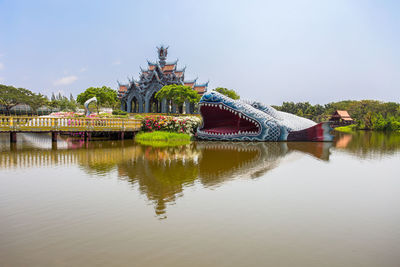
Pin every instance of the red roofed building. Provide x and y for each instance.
(138, 96)
(340, 118)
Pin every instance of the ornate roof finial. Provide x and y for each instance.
(162, 54)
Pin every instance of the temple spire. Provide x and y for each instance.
(162, 55)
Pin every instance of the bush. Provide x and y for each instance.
(119, 112)
(186, 124)
(138, 116)
(162, 139)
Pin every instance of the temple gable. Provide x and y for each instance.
(138, 96)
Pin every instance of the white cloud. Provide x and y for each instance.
(66, 80)
(1, 66)
(117, 62)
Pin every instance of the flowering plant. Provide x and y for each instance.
(182, 124)
(62, 114)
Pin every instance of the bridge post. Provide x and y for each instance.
(13, 137)
(54, 145)
(87, 136)
(121, 135)
(13, 146)
(54, 136)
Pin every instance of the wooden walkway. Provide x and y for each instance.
(15, 125)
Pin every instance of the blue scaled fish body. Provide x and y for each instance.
(228, 119)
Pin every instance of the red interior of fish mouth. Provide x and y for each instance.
(219, 119)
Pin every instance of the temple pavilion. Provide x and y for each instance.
(138, 96)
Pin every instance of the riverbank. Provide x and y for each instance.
(354, 128)
(346, 129)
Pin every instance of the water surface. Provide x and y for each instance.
(208, 203)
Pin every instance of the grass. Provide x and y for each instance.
(162, 139)
(346, 129)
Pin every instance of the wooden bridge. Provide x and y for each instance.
(15, 125)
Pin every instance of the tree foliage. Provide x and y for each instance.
(178, 94)
(36, 101)
(11, 96)
(368, 114)
(63, 103)
(228, 92)
(106, 97)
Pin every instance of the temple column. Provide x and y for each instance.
(147, 106)
(164, 105)
(173, 108)
(140, 109)
(187, 107)
(192, 108)
(128, 107)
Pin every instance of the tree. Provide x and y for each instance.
(228, 92)
(63, 103)
(105, 96)
(71, 98)
(11, 96)
(36, 101)
(178, 94)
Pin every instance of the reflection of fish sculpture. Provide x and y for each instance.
(163, 173)
(249, 159)
(228, 119)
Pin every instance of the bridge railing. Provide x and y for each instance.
(45, 124)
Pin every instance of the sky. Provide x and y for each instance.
(272, 51)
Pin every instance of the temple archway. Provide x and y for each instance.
(154, 104)
(134, 105)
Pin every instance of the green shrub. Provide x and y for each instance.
(162, 139)
(119, 112)
(346, 129)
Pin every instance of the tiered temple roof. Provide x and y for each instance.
(162, 72)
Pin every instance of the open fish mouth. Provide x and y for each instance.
(225, 121)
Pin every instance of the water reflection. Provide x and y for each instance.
(162, 173)
(367, 144)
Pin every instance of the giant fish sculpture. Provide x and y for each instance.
(228, 119)
(86, 105)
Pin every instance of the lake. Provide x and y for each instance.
(117, 203)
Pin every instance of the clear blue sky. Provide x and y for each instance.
(273, 51)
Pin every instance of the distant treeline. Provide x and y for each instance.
(368, 114)
(21, 101)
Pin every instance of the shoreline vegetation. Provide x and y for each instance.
(162, 138)
(346, 129)
(367, 114)
(354, 128)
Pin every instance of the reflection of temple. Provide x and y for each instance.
(139, 96)
(163, 173)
